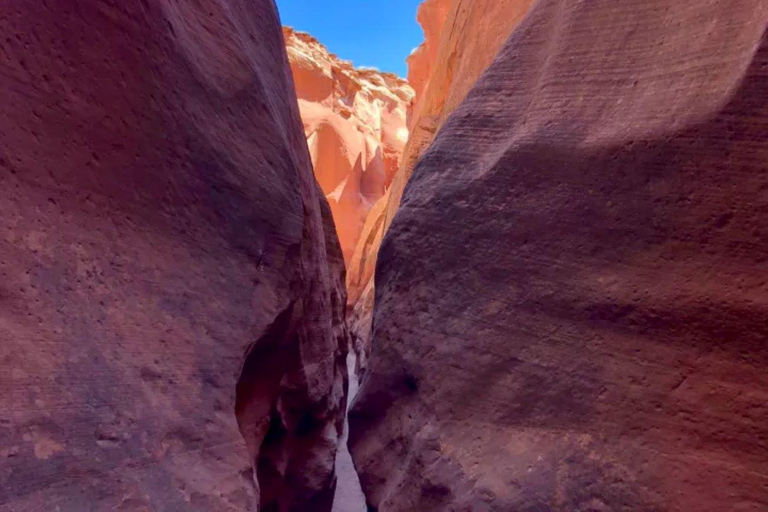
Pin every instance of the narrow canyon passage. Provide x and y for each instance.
(349, 495)
(526, 273)
(529, 351)
(366, 129)
(355, 121)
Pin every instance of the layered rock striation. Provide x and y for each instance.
(355, 123)
(571, 303)
(171, 286)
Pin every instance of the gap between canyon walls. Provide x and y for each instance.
(366, 129)
(355, 122)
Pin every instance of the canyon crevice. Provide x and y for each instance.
(546, 251)
(355, 120)
(571, 300)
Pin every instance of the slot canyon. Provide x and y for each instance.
(241, 273)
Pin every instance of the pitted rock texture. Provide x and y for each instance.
(572, 301)
(461, 39)
(166, 261)
(355, 123)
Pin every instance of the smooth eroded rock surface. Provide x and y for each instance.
(572, 301)
(355, 123)
(161, 231)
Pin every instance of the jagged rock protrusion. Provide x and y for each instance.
(571, 303)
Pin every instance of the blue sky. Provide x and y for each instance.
(377, 33)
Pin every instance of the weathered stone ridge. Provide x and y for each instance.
(166, 260)
(571, 302)
(355, 123)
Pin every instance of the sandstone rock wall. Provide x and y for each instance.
(572, 302)
(431, 16)
(166, 261)
(461, 38)
(355, 123)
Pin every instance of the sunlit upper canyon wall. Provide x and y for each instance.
(356, 128)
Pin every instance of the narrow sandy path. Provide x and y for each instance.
(349, 496)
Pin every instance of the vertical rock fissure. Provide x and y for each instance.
(256, 405)
(355, 123)
(285, 433)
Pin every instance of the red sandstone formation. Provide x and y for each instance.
(572, 302)
(460, 40)
(161, 232)
(355, 123)
(431, 16)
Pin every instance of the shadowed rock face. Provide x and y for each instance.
(461, 38)
(169, 274)
(355, 123)
(571, 303)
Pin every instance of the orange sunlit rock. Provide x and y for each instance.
(356, 128)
